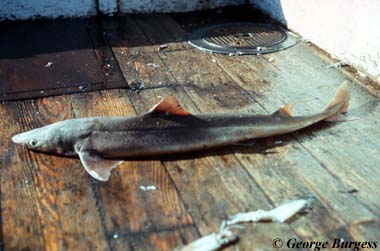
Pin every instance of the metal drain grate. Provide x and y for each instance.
(242, 38)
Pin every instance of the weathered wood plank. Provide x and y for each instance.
(286, 85)
(177, 41)
(262, 73)
(183, 69)
(212, 186)
(356, 165)
(275, 192)
(47, 201)
(130, 211)
(141, 67)
(359, 132)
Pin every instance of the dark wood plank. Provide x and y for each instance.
(130, 212)
(17, 209)
(47, 201)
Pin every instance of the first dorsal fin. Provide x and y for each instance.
(169, 105)
(284, 111)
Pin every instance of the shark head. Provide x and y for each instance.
(37, 139)
(49, 139)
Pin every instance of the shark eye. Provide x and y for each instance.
(33, 142)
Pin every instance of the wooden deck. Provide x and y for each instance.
(51, 203)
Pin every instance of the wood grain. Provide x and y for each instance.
(47, 201)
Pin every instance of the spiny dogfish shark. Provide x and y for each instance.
(102, 143)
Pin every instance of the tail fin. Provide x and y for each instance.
(341, 98)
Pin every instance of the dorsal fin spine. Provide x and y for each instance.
(170, 106)
(285, 111)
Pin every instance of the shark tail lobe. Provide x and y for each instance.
(341, 100)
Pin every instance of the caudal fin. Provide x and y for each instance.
(341, 99)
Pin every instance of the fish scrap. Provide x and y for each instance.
(280, 214)
(216, 241)
(211, 242)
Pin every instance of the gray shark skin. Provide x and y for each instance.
(103, 142)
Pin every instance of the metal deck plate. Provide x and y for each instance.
(51, 57)
(242, 38)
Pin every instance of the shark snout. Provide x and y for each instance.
(26, 137)
(20, 138)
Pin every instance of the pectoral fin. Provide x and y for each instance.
(96, 166)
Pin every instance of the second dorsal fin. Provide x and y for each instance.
(284, 111)
(169, 105)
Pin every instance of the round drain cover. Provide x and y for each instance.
(242, 38)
